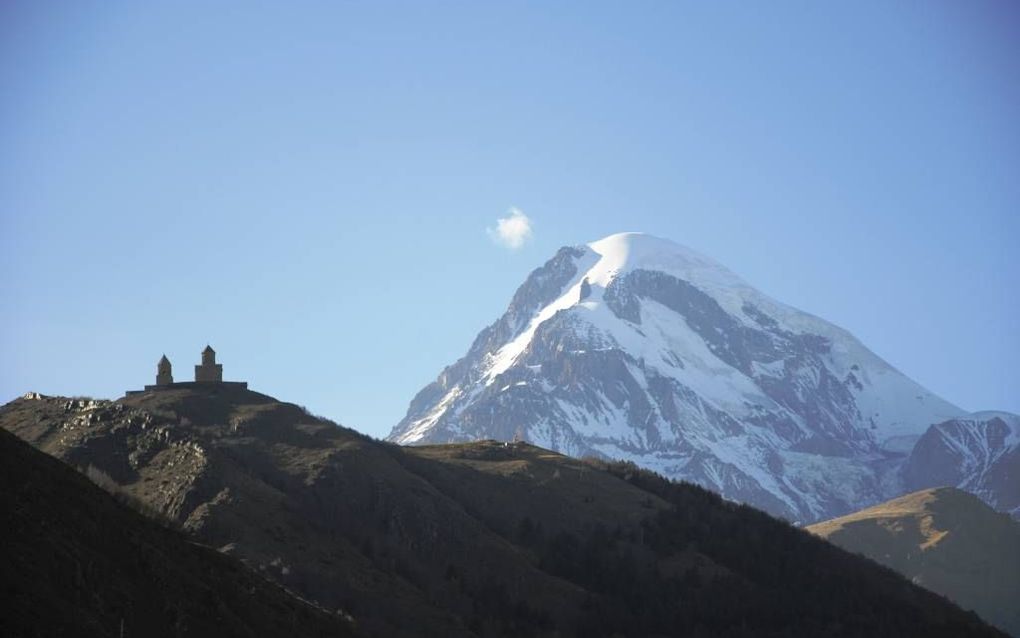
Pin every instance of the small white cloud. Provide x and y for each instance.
(513, 230)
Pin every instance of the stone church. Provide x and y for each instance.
(206, 373)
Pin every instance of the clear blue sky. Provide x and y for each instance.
(307, 186)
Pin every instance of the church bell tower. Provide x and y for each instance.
(209, 371)
(164, 376)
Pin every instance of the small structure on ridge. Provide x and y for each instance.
(209, 371)
(164, 375)
(207, 374)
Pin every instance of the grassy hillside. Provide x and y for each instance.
(946, 540)
(480, 539)
(79, 563)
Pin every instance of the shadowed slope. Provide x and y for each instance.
(76, 562)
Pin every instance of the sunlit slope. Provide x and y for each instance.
(946, 540)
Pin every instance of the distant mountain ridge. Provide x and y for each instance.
(946, 540)
(634, 347)
(979, 453)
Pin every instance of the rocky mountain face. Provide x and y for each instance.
(979, 454)
(79, 563)
(475, 539)
(946, 540)
(637, 348)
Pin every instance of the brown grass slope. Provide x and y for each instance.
(480, 539)
(946, 540)
(79, 563)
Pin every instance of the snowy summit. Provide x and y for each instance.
(635, 347)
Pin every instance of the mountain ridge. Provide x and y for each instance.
(637, 348)
(979, 453)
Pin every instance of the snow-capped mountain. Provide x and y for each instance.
(634, 347)
(979, 453)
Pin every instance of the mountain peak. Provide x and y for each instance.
(636, 243)
(635, 347)
(629, 251)
(622, 246)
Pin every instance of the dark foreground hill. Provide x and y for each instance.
(946, 540)
(483, 539)
(79, 563)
